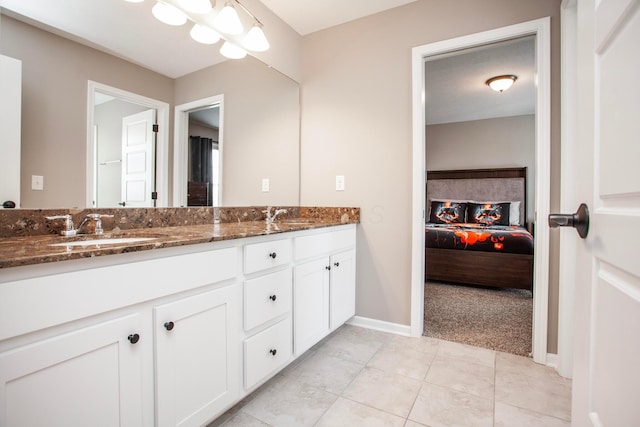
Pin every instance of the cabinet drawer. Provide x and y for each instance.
(266, 298)
(266, 352)
(319, 244)
(260, 256)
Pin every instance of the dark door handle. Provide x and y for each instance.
(578, 220)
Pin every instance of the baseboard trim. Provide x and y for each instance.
(380, 325)
(552, 360)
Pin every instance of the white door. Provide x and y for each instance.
(607, 285)
(310, 304)
(138, 156)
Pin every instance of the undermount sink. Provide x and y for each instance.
(107, 241)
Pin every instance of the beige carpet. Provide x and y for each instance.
(494, 318)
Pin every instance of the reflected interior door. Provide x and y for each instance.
(607, 287)
(138, 154)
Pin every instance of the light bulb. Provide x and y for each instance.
(134, 1)
(204, 35)
(231, 51)
(501, 83)
(256, 40)
(168, 14)
(196, 6)
(228, 20)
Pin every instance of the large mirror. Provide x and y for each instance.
(259, 123)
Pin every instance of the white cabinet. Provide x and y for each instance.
(342, 288)
(197, 356)
(324, 285)
(311, 304)
(170, 339)
(89, 376)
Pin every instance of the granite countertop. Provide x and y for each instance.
(30, 250)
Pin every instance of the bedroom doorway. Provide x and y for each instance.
(480, 147)
(539, 29)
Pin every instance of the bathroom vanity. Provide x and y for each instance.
(170, 336)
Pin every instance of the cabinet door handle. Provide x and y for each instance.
(337, 264)
(272, 297)
(133, 338)
(273, 351)
(273, 255)
(169, 326)
(328, 267)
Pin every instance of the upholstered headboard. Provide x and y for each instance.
(501, 184)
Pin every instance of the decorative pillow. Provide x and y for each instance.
(488, 213)
(447, 212)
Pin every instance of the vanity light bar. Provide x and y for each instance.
(207, 30)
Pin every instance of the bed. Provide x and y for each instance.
(476, 231)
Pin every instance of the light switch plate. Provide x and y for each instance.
(265, 185)
(339, 182)
(37, 182)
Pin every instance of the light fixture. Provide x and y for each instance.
(255, 39)
(228, 20)
(210, 27)
(168, 14)
(204, 35)
(232, 51)
(501, 83)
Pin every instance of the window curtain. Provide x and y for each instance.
(200, 163)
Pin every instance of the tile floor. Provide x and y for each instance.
(360, 377)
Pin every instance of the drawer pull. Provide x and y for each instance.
(337, 264)
(169, 326)
(133, 338)
(272, 297)
(273, 351)
(272, 255)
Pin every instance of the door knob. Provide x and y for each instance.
(578, 220)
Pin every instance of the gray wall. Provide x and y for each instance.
(55, 72)
(493, 143)
(356, 121)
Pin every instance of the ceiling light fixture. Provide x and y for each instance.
(501, 83)
(168, 14)
(204, 35)
(228, 20)
(232, 51)
(210, 27)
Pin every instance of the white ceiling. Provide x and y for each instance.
(308, 16)
(456, 89)
(129, 30)
(455, 84)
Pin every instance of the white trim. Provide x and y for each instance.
(180, 136)
(541, 29)
(552, 360)
(162, 146)
(568, 202)
(380, 325)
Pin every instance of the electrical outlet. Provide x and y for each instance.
(37, 182)
(265, 185)
(339, 182)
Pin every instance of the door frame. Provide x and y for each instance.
(162, 139)
(540, 28)
(180, 137)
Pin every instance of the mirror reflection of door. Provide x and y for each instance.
(110, 114)
(203, 185)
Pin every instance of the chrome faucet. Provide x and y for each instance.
(269, 218)
(68, 229)
(98, 222)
